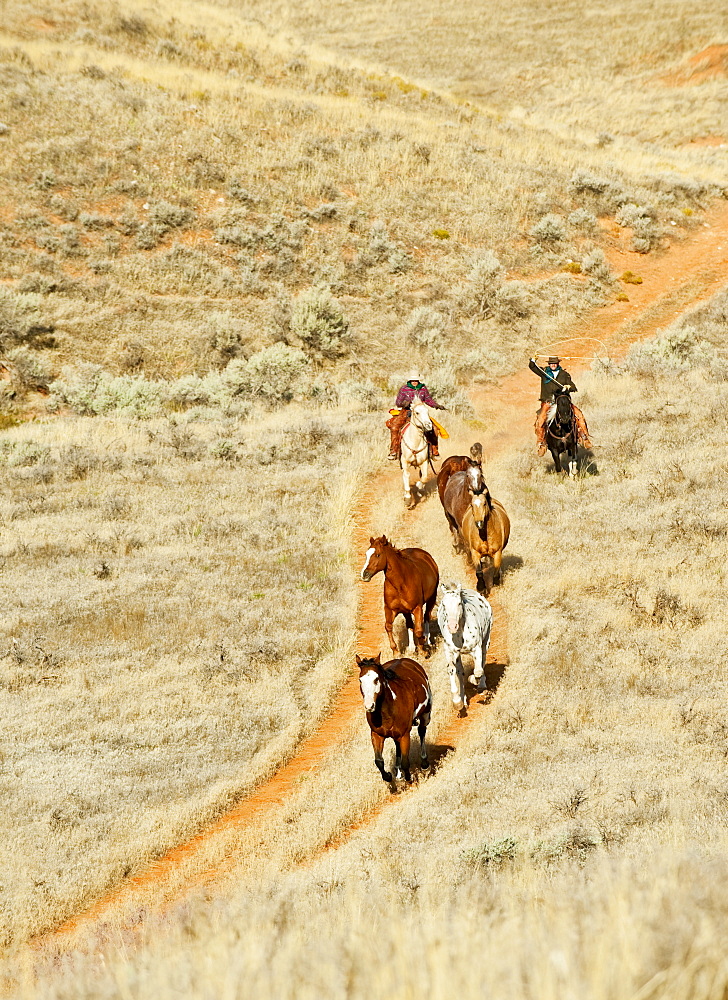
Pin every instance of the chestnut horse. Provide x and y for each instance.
(561, 435)
(397, 696)
(480, 523)
(411, 577)
(462, 463)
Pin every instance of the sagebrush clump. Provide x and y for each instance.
(318, 323)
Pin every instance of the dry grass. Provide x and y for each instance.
(158, 168)
(174, 626)
(576, 841)
(166, 602)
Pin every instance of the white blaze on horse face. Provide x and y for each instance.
(422, 416)
(453, 609)
(474, 477)
(370, 685)
(479, 507)
(369, 554)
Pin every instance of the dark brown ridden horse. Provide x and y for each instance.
(480, 523)
(561, 433)
(461, 463)
(411, 577)
(397, 696)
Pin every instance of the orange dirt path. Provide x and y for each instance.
(673, 281)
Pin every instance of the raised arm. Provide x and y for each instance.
(535, 369)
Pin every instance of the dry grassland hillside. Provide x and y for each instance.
(654, 73)
(575, 844)
(223, 240)
(180, 185)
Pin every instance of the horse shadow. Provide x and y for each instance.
(422, 491)
(436, 754)
(510, 564)
(586, 466)
(493, 673)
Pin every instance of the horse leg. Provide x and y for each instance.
(557, 459)
(477, 674)
(389, 627)
(455, 669)
(419, 616)
(484, 584)
(422, 725)
(403, 749)
(378, 744)
(429, 607)
(573, 463)
(411, 642)
(454, 531)
(406, 482)
(497, 560)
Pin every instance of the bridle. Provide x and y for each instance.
(556, 427)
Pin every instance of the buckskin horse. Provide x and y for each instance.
(411, 577)
(479, 523)
(415, 450)
(561, 433)
(462, 463)
(397, 696)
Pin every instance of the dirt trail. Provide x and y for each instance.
(674, 281)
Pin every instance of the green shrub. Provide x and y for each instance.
(596, 265)
(91, 390)
(513, 301)
(678, 348)
(477, 297)
(168, 216)
(492, 854)
(425, 327)
(580, 218)
(318, 321)
(31, 371)
(273, 374)
(549, 229)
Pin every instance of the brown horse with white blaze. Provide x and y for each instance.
(397, 696)
(463, 463)
(411, 578)
(480, 523)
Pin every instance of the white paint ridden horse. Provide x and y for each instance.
(465, 619)
(415, 450)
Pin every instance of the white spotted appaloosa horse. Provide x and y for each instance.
(465, 619)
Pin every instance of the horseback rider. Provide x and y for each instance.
(414, 386)
(555, 379)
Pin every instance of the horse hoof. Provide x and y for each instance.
(462, 714)
(386, 776)
(425, 764)
(427, 652)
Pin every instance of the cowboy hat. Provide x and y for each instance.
(554, 361)
(414, 376)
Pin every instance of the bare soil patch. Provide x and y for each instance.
(709, 64)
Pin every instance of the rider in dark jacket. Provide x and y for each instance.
(552, 378)
(414, 386)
